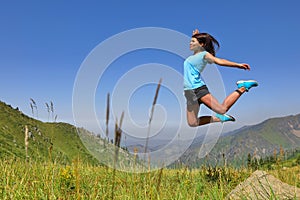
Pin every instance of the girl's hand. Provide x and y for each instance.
(196, 31)
(244, 66)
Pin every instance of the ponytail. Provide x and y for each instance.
(208, 41)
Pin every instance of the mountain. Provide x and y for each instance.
(56, 141)
(59, 142)
(62, 142)
(259, 141)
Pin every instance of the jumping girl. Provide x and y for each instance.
(195, 90)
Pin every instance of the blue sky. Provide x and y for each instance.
(44, 43)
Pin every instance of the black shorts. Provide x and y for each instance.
(193, 96)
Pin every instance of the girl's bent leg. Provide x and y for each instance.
(211, 102)
(233, 97)
(207, 120)
(192, 115)
(194, 121)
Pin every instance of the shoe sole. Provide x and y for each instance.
(240, 81)
(233, 119)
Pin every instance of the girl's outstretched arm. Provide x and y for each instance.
(223, 62)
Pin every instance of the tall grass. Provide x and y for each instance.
(26, 141)
(48, 110)
(107, 116)
(78, 180)
(118, 135)
(151, 117)
(33, 107)
(52, 110)
(82, 181)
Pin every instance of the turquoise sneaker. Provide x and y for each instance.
(225, 117)
(247, 84)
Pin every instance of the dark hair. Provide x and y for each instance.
(209, 42)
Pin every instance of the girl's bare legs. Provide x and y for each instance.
(211, 102)
(192, 116)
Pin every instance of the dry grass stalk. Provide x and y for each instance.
(107, 116)
(151, 114)
(48, 110)
(154, 100)
(50, 152)
(135, 153)
(52, 109)
(26, 141)
(33, 105)
(118, 135)
(159, 181)
(32, 111)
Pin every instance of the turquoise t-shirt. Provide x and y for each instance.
(193, 66)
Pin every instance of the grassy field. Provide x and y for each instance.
(54, 164)
(35, 180)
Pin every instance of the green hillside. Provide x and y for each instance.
(57, 141)
(260, 141)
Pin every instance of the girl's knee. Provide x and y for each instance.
(193, 123)
(221, 110)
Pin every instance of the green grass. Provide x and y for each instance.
(47, 180)
(36, 180)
